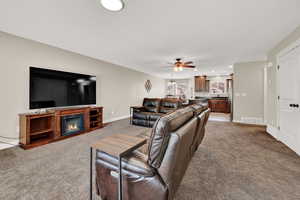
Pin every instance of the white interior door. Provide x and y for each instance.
(289, 91)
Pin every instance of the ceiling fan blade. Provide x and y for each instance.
(189, 66)
(187, 63)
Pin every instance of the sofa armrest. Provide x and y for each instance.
(135, 164)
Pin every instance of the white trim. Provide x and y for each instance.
(244, 122)
(10, 145)
(265, 94)
(272, 130)
(288, 49)
(275, 132)
(116, 119)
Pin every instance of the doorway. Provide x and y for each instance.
(289, 97)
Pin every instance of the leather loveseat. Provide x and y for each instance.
(152, 109)
(155, 171)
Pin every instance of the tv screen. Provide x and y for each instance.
(51, 88)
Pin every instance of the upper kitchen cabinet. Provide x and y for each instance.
(201, 84)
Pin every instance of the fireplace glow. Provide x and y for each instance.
(72, 127)
(72, 124)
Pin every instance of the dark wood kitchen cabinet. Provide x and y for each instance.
(201, 84)
(219, 105)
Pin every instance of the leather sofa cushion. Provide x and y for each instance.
(161, 133)
(155, 116)
(140, 115)
(198, 136)
(169, 104)
(166, 110)
(141, 122)
(151, 109)
(178, 155)
(151, 105)
(151, 123)
(144, 149)
(135, 163)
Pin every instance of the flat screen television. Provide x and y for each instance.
(51, 88)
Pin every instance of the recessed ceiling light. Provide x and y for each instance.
(195, 69)
(230, 66)
(213, 71)
(113, 5)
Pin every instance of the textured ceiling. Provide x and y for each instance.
(148, 34)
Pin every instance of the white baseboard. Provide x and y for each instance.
(275, 132)
(272, 130)
(116, 119)
(250, 123)
(9, 144)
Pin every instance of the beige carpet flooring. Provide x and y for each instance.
(233, 162)
(221, 117)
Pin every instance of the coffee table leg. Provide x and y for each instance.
(91, 174)
(120, 190)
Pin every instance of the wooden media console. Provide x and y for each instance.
(56, 124)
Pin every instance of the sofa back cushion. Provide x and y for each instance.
(161, 132)
(172, 143)
(199, 132)
(151, 104)
(169, 104)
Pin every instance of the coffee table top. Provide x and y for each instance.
(117, 145)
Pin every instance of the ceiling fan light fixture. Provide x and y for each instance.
(175, 69)
(180, 68)
(113, 5)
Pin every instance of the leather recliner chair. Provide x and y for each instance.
(152, 109)
(155, 173)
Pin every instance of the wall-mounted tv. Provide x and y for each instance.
(51, 88)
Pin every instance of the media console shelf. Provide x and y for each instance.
(96, 118)
(42, 128)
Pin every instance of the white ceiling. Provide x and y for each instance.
(148, 34)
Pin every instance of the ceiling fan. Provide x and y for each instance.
(179, 65)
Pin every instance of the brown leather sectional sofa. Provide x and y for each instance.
(152, 109)
(155, 171)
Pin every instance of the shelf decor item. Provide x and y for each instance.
(148, 86)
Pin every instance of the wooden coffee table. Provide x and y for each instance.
(119, 146)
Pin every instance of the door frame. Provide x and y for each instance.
(283, 52)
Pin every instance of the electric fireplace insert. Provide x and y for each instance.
(72, 124)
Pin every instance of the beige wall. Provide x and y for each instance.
(272, 91)
(248, 85)
(117, 87)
